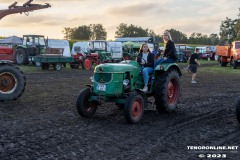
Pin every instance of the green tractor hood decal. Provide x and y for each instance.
(121, 67)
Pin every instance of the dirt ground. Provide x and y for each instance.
(44, 123)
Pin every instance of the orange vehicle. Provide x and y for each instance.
(229, 54)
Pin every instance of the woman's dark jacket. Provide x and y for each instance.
(150, 60)
(170, 50)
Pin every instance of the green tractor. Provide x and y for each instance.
(130, 50)
(32, 45)
(122, 82)
(97, 53)
(100, 47)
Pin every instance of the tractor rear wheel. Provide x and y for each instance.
(12, 82)
(238, 110)
(134, 108)
(21, 56)
(168, 89)
(87, 63)
(84, 107)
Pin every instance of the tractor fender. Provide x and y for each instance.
(138, 91)
(89, 85)
(21, 46)
(165, 67)
(175, 68)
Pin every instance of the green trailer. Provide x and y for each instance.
(45, 61)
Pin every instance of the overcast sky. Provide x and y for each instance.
(187, 16)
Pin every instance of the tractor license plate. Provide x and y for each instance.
(101, 87)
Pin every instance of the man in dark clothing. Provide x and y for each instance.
(193, 64)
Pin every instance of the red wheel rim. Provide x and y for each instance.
(136, 109)
(87, 64)
(8, 83)
(172, 91)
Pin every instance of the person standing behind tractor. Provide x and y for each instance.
(146, 59)
(193, 65)
(169, 50)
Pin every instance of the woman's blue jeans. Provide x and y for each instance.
(146, 71)
(161, 60)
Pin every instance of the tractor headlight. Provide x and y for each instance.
(91, 79)
(126, 82)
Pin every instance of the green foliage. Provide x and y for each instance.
(123, 30)
(198, 38)
(71, 43)
(85, 32)
(98, 32)
(178, 36)
(82, 33)
(228, 30)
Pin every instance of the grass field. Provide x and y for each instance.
(206, 66)
(213, 67)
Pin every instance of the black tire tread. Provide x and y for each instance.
(80, 103)
(161, 94)
(127, 108)
(21, 82)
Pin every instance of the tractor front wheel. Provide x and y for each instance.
(21, 56)
(238, 110)
(12, 82)
(168, 91)
(84, 107)
(134, 108)
(87, 63)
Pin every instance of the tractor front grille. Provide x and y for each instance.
(103, 77)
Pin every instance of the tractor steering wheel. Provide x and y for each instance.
(142, 64)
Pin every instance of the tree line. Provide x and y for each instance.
(229, 31)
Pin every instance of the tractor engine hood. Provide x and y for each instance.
(117, 67)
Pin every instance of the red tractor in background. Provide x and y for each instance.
(95, 52)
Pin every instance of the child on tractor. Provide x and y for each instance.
(146, 59)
